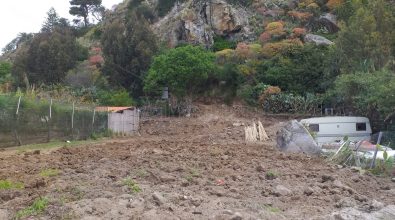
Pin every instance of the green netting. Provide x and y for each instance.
(39, 121)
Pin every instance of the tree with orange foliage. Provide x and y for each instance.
(333, 4)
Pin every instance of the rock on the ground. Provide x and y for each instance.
(281, 190)
(386, 213)
(4, 214)
(294, 137)
(346, 202)
(317, 39)
(158, 198)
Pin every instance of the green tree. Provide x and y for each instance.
(52, 21)
(128, 47)
(82, 8)
(301, 70)
(366, 93)
(18, 41)
(366, 42)
(5, 71)
(184, 70)
(47, 57)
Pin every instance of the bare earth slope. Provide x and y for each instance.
(187, 168)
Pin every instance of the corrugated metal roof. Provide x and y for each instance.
(113, 109)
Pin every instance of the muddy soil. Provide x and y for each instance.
(187, 168)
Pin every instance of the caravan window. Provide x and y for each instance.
(361, 126)
(314, 127)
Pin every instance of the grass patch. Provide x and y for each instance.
(142, 173)
(193, 173)
(6, 184)
(271, 175)
(54, 144)
(38, 207)
(131, 184)
(49, 172)
(272, 209)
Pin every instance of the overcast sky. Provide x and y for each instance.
(28, 15)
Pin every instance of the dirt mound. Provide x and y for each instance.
(186, 168)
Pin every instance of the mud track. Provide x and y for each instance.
(186, 168)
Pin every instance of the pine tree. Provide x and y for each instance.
(82, 8)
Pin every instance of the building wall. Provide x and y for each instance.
(126, 122)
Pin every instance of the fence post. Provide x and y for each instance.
(49, 121)
(17, 138)
(93, 120)
(373, 164)
(72, 120)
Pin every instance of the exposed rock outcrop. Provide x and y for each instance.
(318, 40)
(198, 22)
(329, 21)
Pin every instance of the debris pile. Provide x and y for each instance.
(255, 133)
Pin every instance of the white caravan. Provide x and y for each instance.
(334, 129)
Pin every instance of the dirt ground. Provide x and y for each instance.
(188, 168)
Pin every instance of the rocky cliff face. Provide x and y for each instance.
(197, 22)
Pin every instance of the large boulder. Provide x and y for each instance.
(316, 39)
(197, 22)
(294, 137)
(329, 21)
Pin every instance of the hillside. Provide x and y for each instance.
(298, 56)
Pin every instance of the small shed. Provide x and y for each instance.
(125, 120)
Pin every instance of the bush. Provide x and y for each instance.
(365, 93)
(294, 68)
(221, 43)
(115, 98)
(250, 94)
(290, 103)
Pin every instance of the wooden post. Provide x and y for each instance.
(373, 164)
(72, 121)
(49, 122)
(93, 120)
(50, 110)
(19, 103)
(72, 117)
(17, 138)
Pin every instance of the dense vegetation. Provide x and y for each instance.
(120, 58)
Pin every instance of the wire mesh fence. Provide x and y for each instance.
(26, 120)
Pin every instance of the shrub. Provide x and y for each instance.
(366, 93)
(225, 56)
(96, 60)
(275, 29)
(265, 37)
(271, 90)
(295, 68)
(333, 4)
(299, 32)
(115, 98)
(272, 49)
(221, 44)
(290, 103)
(250, 94)
(301, 16)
